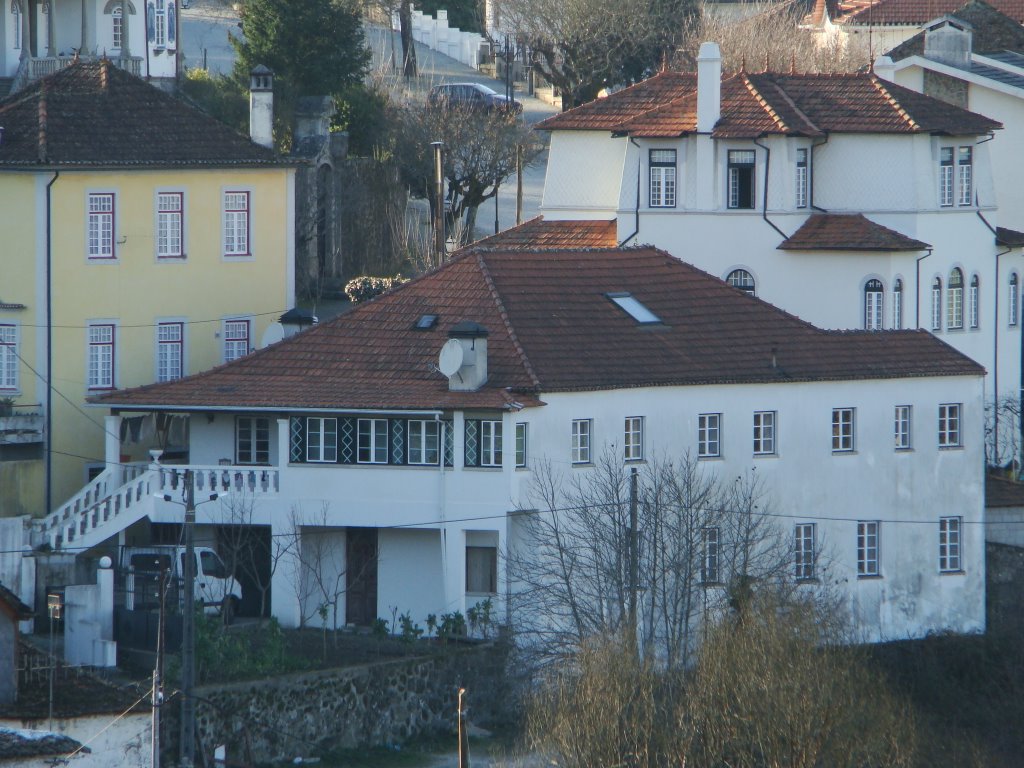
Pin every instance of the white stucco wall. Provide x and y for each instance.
(584, 174)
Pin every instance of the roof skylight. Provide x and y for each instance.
(425, 322)
(631, 305)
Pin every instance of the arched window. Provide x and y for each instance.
(955, 299)
(873, 293)
(740, 278)
(1013, 298)
(937, 304)
(897, 304)
(973, 303)
(16, 20)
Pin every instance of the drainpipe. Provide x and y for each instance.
(995, 352)
(917, 289)
(639, 173)
(442, 514)
(811, 170)
(764, 203)
(49, 345)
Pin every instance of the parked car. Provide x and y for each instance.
(471, 96)
(215, 589)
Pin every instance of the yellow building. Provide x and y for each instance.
(140, 241)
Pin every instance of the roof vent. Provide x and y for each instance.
(463, 357)
(947, 40)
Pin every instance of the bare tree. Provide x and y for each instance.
(696, 533)
(1004, 425)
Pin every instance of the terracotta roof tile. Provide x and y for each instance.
(552, 328)
(893, 12)
(790, 104)
(1010, 237)
(608, 112)
(94, 114)
(848, 232)
(540, 234)
(993, 31)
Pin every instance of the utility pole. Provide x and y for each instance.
(158, 671)
(188, 640)
(519, 184)
(463, 733)
(439, 205)
(497, 186)
(634, 561)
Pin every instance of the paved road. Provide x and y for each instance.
(205, 29)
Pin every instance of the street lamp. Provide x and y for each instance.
(187, 748)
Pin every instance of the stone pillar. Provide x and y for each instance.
(51, 28)
(26, 29)
(112, 448)
(126, 26)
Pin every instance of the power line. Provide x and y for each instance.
(57, 326)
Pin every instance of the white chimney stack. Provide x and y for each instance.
(709, 87)
(261, 106)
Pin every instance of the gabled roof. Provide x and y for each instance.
(92, 114)
(753, 105)
(607, 113)
(552, 328)
(898, 12)
(848, 232)
(540, 233)
(12, 604)
(1009, 237)
(993, 32)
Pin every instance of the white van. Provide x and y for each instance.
(215, 588)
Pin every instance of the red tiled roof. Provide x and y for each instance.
(992, 32)
(605, 114)
(552, 328)
(894, 12)
(848, 232)
(789, 104)
(94, 114)
(1010, 237)
(538, 233)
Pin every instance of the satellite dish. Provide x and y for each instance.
(451, 358)
(273, 334)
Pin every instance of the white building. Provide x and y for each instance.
(38, 37)
(845, 199)
(399, 437)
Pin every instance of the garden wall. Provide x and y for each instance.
(371, 705)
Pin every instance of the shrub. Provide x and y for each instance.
(366, 286)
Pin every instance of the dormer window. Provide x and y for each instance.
(632, 306)
(956, 176)
(802, 178)
(741, 178)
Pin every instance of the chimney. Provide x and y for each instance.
(709, 87)
(885, 69)
(463, 358)
(947, 40)
(261, 106)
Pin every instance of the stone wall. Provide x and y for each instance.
(1004, 568)
(370, 705)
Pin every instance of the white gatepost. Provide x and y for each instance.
(112, 448)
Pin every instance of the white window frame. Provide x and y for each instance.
(709, 435)
(633, 438)
(116, 28)
(663, 174)
(170, 350)
(582, 429)
(170, 224)
(804, 555)
(101, 226)
(237, 333)
(372, 438)
(1014, 299)
(937, 304)
(874, 300)
(802, 177)
(903, 416)
(101, 355)
(951, 544)
(160, 25)
(424, 442)
(946, 184)
(764, 433)
(743, 280)
(252, 440)
(965, 175)
(236, 230)
(9, 361)
(897, 304)
(711, 555)
(522, 444)
(956, 176)
(733, 168)
(324, 448)
(950, 425)
(490, 443)
(868, 540)
(844, 422)
(955, 300)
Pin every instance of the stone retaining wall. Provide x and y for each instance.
(370, 705)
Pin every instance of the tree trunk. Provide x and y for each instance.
(408, 46)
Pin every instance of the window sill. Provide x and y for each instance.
(178, 258)
(715, 457)
(869, 577)
(812, 580)
(844, 452)
(634, 461)
(908, 449)
(953, 573)
(582, 464)
(487, 468)
(771, 455)
(951, 447)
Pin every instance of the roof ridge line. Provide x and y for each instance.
(756, 93)
(894, 102)
(503, 313)
(789, 100)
